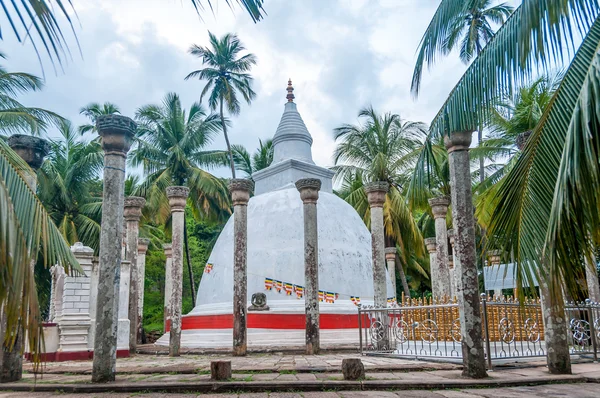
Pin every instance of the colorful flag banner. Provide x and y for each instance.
(391, 300)
(278, 285)
(321, 296)
(299, 291)
(268, 283)
(208, 268)
(355, 300)
(289, 288)
(330, 297)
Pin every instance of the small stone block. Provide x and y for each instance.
(220, 370)
(353, 369)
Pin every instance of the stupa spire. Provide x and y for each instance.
(290, 91)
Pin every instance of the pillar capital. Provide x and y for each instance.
(79, 250)
(458, 141)
(168, 249)
(431, 245)
(439, 206)
(309, 189)
(133, 208)
(143, 244)
(240, 190)
(177, 198)
(117, 132)
(390, 253)
(31, 149)
(376, 192)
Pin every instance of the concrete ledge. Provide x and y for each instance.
(282, 386)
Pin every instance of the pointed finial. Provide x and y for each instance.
(290, 91)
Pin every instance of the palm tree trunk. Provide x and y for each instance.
(227, 140)
(402, 277)
(189, 264)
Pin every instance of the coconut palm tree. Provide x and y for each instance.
(377, 149)
(547, 211)
(171, 149)
(92, 111)
(227, 78)
(261, 159)
(65, 181)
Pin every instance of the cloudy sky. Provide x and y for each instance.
(341, 55)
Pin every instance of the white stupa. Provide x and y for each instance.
(276, 256)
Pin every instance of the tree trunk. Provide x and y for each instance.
(402, 277)
(189, 263)
(227, 141)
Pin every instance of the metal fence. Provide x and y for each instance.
(510, 329)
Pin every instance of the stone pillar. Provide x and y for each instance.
(457, 144)
(431, 245)
(309, 193)
(133, 213)
(440, 285)
(168, 249)
(93, 301)
(32, 150)
(558, 358)
(74, 322)
(177, 200)
(117, 134)
(591, 277)
(240, 190)
(376, 192)
(123, 311)
(141, 262)
(390, 259)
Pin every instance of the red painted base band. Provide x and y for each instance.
(268, 321)
(61, 356)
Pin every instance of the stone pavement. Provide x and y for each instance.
(304, 376)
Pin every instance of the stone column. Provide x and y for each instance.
(141, 262)
(177, 200)
(440, 285)
(240, 190)
(457, 144)
(168, 249)
(123, 311)
(591, 277)
(93, 301)
(309, 193)
(376, 192)
(117, 134)
(431, 245)
(32, 150)
(390, 259)
(133, 213)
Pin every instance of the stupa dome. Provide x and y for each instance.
(276, 253)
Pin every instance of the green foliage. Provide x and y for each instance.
(261, 158)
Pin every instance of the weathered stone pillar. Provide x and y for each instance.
(133, 214)
(556, 331)
(309, 193)
(177, 200)
(431, 245)
(376, 192)
(390, 259)
(168, 249)
(440, 285)
(141, 262)
(32, 150)
(124, 326)
(591, 277)
(93, 301)
(457, 144)
(117, 135)
(240, 190)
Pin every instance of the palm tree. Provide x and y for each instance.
(39, 21)
(261, 159)
(226, 76)
(377, 150)
(546, 212)
(171, 149)
(92, 111)
(65, 181)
